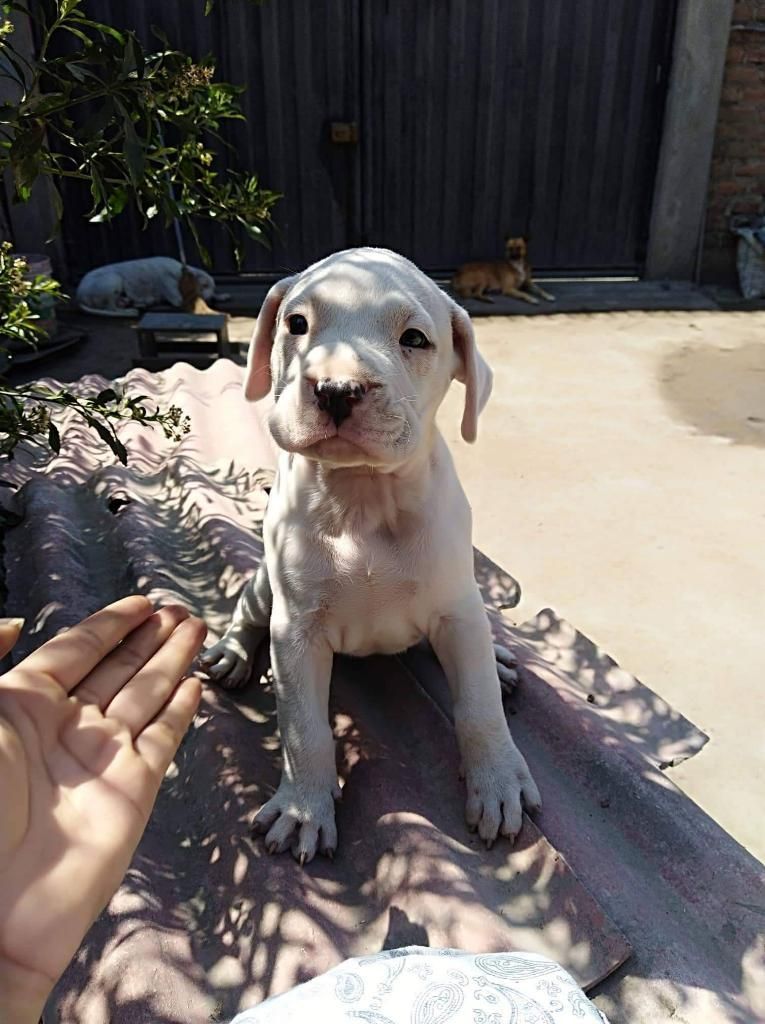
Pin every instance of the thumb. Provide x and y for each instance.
(9, 634)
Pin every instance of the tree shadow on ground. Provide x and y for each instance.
(205, 921)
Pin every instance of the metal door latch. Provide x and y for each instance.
(344, 132)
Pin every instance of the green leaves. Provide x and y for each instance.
(20, 299)
(134, 154)
(99, 120)
(110, 438)
(25, 157)
(138, 127)
(67, 6)
(26, 416)
(54, 438)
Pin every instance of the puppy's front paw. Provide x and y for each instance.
(304, 822)
(498, 787)
(230, 661)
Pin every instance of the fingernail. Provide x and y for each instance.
(12, 623)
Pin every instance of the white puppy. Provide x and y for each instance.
(122, 289)
(368, 531)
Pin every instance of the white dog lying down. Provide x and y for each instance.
(122, 289)
(368, 531)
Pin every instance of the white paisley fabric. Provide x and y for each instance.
(417, 985)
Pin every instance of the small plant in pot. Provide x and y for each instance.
(28, 296)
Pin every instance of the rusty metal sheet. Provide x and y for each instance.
(595, 684)
(205, 922)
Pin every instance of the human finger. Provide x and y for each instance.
(71, 655)
(142, 697)
(106, 680)
(9, 634)
(158, 741)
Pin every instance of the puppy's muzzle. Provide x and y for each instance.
(338, 397)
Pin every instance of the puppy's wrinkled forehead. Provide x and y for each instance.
(372, 289)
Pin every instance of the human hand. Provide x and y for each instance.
(88, 727)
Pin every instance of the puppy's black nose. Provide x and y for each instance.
(338, 397)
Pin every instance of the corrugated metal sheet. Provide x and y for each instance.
(206, 896)
(540, 117)
(205, 921)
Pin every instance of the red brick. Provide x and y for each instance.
(737, 178)
(750, 129)
(745, 74)
(751, 183)
(754, 55)
(755, 166)
(747, 205)
(730, 95)
(742, 116)
(726, 130)
(718, 217)
(754, 95)
(722, 170)
(741, 148)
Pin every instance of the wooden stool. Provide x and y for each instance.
(159, 345)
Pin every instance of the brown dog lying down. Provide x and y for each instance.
(511, 276)
(192, 293)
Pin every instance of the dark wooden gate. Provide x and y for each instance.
(472, 119)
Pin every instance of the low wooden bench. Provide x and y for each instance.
(167, 338)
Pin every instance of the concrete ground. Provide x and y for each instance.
(619, 474)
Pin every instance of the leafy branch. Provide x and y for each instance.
(137, 126)
(20, 298)
(25, 415)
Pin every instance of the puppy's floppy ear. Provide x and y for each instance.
(470, 369)
(257, 379)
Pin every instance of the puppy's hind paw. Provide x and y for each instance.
(507, 666)
(230, 662)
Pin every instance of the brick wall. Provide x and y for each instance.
(737, 184)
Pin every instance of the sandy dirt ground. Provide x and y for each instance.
(620, 476)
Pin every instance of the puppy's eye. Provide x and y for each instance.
(413, 338)
(297, 324)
